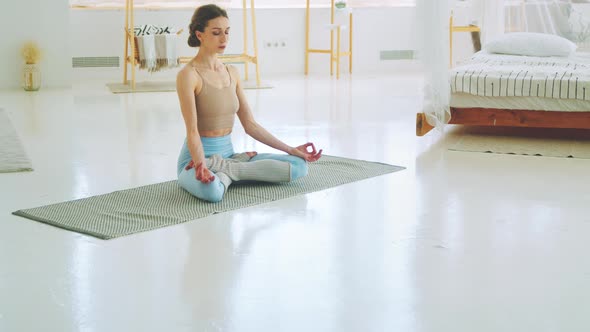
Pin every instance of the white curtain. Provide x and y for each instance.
(566, 18)
(493, 20)
(432, 18)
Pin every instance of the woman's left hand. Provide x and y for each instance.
(302, 151)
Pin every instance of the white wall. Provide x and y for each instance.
(100, 33)
(47, 23)
(64, 33)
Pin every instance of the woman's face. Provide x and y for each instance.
(216, 35)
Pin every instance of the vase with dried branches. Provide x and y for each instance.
(31, 54)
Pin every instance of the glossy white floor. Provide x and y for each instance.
(457, 242)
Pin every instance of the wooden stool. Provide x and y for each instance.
(335, 52)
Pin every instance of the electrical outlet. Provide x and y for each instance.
(276, 43)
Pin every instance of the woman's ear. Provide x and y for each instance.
(199, 35)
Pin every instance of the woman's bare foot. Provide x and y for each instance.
(244, 156)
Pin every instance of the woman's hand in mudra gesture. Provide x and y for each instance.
(303, 151)
(202, 173)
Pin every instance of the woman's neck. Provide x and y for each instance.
(206, 60)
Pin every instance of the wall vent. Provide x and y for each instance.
(397, 55)
(95, 61)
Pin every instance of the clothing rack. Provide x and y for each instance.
(131, 56)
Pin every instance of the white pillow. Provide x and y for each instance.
(532, 44)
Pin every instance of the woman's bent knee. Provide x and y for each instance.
(299, 168)
(211, 192)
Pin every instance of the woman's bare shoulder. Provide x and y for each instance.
(187, 76)
(235, 74)
(188, 73)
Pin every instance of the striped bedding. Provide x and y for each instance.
(496, 75)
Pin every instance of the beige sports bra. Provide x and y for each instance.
(216, 107)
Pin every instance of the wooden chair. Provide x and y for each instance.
(473, 29)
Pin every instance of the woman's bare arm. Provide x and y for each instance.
(260, 134)
(188, 83)
(250, 125)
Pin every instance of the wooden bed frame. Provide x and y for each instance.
(503, 117)
(509, 118)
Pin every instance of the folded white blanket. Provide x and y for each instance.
(157, 51)
(146, 46)
(166, 54)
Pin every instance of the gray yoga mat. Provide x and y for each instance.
(13, 157)
(164, 204)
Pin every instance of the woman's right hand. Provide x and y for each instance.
(202, 173)
(303, 152)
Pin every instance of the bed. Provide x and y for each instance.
(519, 91)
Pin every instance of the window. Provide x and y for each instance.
(233, 3)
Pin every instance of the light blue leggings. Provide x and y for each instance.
(213, 191)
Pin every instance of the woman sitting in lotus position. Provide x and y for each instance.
(210, 95)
